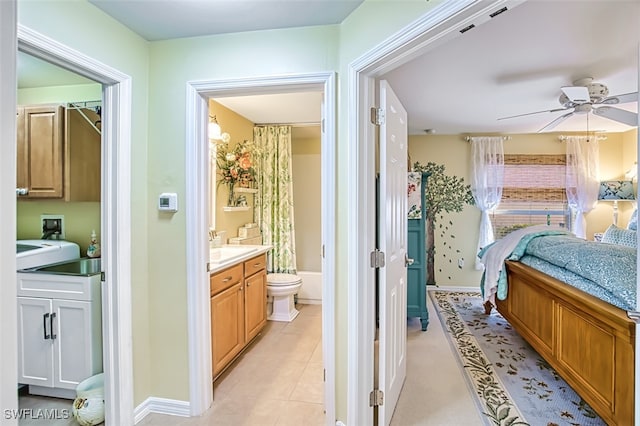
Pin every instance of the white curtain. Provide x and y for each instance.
(487, 173)
(582, 179)
(274, 200)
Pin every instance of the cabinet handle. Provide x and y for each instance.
(44, 325)
(255, 265)
(226, 280)
(53, 315)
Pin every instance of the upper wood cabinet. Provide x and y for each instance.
(58, 154)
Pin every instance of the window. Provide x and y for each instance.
(533, 193)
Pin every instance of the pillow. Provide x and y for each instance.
(623, 237)
(633, 221)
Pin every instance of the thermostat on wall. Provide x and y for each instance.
(168, 202)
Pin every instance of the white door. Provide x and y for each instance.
(392, 228)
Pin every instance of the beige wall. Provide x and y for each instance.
(306, 199)
(240, 129)
(616, 153)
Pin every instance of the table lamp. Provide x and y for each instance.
(616, 190)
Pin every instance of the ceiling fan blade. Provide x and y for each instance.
(577, 94)
(555, 122)
(531, 113)
(623, 116)
(620, 99)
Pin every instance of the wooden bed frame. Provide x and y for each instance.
(590, 343)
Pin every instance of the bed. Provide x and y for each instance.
(582, 329)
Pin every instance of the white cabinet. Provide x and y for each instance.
(59, 338)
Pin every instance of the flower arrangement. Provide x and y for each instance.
(235, 166)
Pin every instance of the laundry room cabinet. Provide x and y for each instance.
(59, 339)
(58, 153)
(416, 248)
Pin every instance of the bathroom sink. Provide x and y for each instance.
(228, 253)
(79, 267)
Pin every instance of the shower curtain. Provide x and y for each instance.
(274, 200)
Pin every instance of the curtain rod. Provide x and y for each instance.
(563, 138)
(305, 124)
(504, 138)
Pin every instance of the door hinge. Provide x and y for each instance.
(103, 277)
(323, 251)
(377, 116)
(208, 267)
(377, 259)
(322, 125)
(376, 398)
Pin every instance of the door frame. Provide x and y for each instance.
(438, 25)
(197, 212)
(115, 226)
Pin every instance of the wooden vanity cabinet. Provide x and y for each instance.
(255, 296)
(238, 309)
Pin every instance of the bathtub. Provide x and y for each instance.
(311, 291)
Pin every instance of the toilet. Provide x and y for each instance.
(280, 291)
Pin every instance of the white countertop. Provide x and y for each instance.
(231, 254)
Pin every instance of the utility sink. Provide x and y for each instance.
(229, 252)
(79, 267)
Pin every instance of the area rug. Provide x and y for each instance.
(513, 384)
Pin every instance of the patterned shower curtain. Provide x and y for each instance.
(274, 200)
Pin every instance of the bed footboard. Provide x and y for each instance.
(590, 343)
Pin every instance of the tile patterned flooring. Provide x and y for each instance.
(277, 381)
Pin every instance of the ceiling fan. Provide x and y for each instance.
(584, 97)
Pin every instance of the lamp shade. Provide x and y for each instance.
(214, 130)
(616, 190)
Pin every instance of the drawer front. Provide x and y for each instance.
(254, 265)
(226, 279)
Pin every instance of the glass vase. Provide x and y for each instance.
(231, 201)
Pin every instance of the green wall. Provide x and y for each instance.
(85, 28)
(159, 72)
(79, 218)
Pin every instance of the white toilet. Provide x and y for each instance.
(280, 291)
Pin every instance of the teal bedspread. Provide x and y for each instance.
(606, 271)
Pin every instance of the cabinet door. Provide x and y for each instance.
(255, 299)
(73, 355)
(35, 346)
(40, 144)
(227, 326)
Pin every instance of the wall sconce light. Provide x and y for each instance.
(616, 190)
(213, 130)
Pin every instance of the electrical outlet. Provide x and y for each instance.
(52, 226)
(460, 263)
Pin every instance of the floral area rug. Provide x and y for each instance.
(514, 385)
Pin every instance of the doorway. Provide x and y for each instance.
(115, 187)
(198, 218)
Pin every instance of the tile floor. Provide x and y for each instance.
(270, 385)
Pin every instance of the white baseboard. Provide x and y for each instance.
(304, 301)
(170, 407)
(452, 288)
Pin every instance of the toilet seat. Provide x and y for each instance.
(279, 279)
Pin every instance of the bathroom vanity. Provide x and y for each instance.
(238, 289)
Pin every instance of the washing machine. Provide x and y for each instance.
(32, 253)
